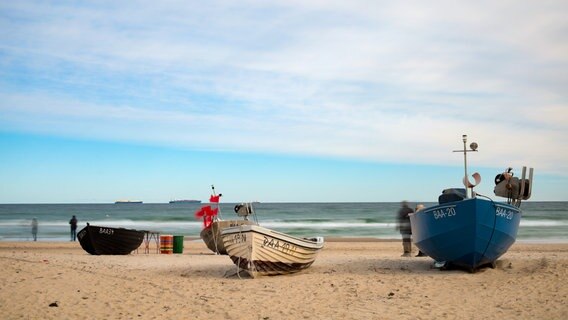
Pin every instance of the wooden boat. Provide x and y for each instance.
(470, 232)
(212, 234)
(98, 240)
(263, 252)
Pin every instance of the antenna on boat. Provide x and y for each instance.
(472, 148)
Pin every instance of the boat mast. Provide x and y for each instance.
(464, 138)
(473, 148)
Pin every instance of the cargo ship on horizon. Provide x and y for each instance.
(185, 201)
(127, 201)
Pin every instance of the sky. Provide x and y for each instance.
(279, 101)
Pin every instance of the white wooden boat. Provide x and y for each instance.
(212, 235)
(260, 251)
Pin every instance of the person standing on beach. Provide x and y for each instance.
(34, 228)
(418, 208)
(73, 223)
(403, 227)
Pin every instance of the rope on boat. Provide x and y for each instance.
(251, 265)
(252, 238)
(494, 223)
(238, 264)
(214, 233)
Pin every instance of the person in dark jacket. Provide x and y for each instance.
(403, 226)
(73, 223)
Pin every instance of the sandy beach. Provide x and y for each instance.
(349, 280)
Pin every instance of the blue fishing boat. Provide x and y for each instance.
(467, 230)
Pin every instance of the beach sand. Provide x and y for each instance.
(349, 280)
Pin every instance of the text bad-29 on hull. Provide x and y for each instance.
(467, 231)
(263, 252)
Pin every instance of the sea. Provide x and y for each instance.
(541, 221)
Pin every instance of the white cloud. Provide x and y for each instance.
(364, 79)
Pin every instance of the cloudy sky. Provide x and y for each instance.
(278, 100)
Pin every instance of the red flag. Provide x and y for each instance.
(207, 221)
(212, 212)
(206, 211)
(199, 213)
(202, 212)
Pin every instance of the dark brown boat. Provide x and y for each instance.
(98, 240)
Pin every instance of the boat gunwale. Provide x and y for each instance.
(304, 242)
(429, 210)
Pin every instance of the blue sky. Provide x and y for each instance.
(278, 100)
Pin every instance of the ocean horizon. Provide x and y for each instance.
(542, 221)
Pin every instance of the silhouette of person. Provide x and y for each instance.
(403, 227)
(34, 228)
(73, 223)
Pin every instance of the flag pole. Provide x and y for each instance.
(217, 204)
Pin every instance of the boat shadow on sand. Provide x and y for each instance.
(397, 266)
(421, 266)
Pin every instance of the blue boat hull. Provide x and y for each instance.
(468, 234)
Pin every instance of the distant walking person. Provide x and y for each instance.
(403, 226)
(34, 229)
(73, 223)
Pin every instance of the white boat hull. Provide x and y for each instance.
(212, 235)
(264, 252)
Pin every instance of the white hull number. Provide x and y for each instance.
(442, 213)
